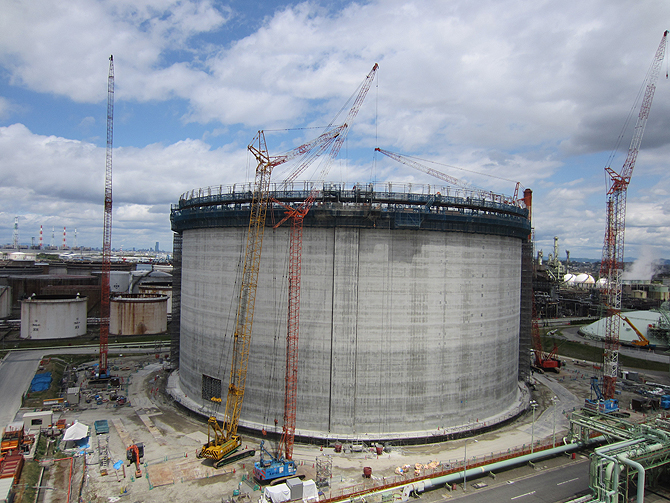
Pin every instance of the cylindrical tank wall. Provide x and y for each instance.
(53, 317)
(137, 314)
(158, 289)
(401, 330)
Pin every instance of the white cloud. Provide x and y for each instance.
(51, 179)
(534, 92)
(5, 108)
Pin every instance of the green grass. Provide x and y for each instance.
(30, 474)
(56, 366)
(593, 353)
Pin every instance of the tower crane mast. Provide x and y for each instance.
(611, 266)
(224, 441)
(283, 465)
(107, 226)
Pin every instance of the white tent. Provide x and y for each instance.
(277, 494)
(76, 432)
(310, 493)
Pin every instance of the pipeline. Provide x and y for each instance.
(610, 484)
(640, 475)
(499, 465)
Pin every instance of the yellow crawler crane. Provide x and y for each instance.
(223, 441)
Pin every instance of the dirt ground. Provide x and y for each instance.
(171, 437)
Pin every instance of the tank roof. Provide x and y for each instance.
(370, 205)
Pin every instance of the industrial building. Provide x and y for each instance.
(410, 317)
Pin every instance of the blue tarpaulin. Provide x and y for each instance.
(41, 382)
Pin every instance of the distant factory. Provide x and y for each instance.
(59, 300)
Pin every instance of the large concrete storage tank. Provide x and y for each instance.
(409, 315)
(53, 317)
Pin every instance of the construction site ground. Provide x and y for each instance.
(172, 435)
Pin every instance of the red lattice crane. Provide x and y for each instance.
(222, 442)
(297, 215)
(107, 227)
(611, 266)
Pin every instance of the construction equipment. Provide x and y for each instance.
(408, 161)
(273, 468)
(223, 441)
(134, 454)
(611, 267)
(543, 360)
(107, 228)
(600, 403)
(641, 341)
(483, 194)
(282, 465)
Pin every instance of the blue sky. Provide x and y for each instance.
(535, 92)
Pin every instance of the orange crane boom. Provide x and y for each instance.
(611, 266)
(641, 341)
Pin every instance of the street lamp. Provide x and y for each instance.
(533, 405)
(554, 401)
(465, 463)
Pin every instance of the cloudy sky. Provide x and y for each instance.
(496, 91)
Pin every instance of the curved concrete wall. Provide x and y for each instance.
(402, 331)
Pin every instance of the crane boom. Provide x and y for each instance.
(339, 141)
(283, 465)
(420, 167)
(225, 439)
(107, 227)
(611, 266)
(641, 341)
(297, 216)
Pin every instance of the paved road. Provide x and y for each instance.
(17, 370)
(546, 487)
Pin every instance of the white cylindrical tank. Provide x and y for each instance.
(137, 314)
(119, 281)
(409, 314)
(53, 317)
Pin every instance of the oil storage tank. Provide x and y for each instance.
(53, 316)
(409, 313)
(137, 314)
